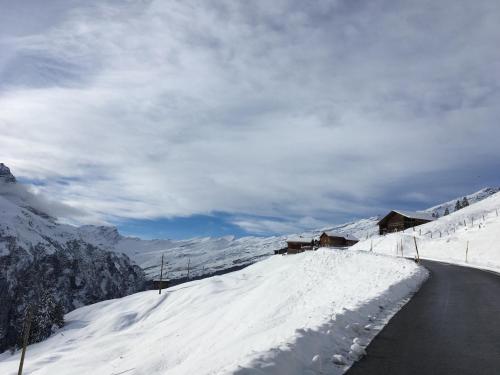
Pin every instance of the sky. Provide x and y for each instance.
(191, 118)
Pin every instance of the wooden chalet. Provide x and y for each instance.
(163, 283)
(334, 239)
(299, 244)
(397, 220)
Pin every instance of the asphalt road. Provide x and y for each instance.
(451, 326)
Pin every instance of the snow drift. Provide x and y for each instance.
(284, 315)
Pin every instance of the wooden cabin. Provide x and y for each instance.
(299, 244)
(281, 251)
(334, 239)
(157, 283)
(396, 221)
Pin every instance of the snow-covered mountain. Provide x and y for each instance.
(203, 256)
(50, 267)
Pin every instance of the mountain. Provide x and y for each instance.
(205, 256)
(50, 267)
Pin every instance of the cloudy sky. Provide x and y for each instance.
(186, 118)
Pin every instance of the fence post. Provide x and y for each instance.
(416, 248)
(189, 264)
(27, 327)
(371, 245)
(402, 247)
(467, 253)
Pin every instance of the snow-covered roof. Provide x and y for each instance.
(347, 236)
(415, 215)
(299, 239)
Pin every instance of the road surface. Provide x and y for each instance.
(451, 326)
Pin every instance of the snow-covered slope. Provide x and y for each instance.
(284, 315)
(476, 227)
(471, 198)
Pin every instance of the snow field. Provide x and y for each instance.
(476, 227)
(301, 314)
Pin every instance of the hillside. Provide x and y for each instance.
(285, 315)
(476, 227)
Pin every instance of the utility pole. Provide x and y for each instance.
(161, 275)
(27, 327)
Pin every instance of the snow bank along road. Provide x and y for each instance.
(451, 326)
(285, 315)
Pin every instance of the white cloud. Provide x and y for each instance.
(283, 109)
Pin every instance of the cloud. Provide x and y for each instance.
(285, 109)
(29, 198)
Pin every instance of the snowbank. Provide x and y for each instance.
(476, 228)
(285, 315)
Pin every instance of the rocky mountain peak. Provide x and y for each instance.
(5, 174)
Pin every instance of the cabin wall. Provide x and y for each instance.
(334, 241)
(298, 247)
(398, 223)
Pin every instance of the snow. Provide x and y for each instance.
(347, 236)
(293, 314)
(415, 214)
(299, 239)
(476, 226)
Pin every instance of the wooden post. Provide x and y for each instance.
(416, 248)
(465, 223)
(189, 265)
(161, 275)
(371, 245)
(467, 253)
(473, 221)
(27, 327)
(402, 247)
